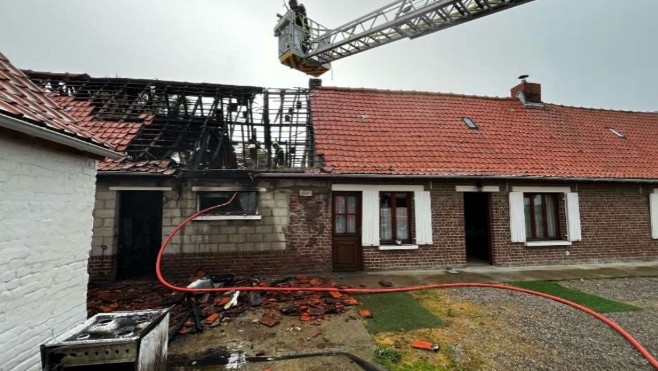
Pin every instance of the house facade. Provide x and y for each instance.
(373, 180)
(47, 185)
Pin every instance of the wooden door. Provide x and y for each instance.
(347, 252)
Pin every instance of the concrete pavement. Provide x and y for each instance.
(487, 273)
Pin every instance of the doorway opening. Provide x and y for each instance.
(140, 233)
(477, 224)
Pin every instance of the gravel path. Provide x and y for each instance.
(563, 338)
(641, 292)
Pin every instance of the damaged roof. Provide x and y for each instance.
(149, 120)
(365, 131)
(165, 127)
(23, 100)
(119, 134)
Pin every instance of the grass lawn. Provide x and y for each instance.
(397, 311)
(596, 303)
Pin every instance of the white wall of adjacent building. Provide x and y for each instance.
(46, 202)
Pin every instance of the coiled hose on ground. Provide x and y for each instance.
(634, 342)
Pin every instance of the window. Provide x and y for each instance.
(395, 217)
(653, 213)
(470, 123)
(345, 213)
(617, 132)
(542, 220)
(544, 216)
(410, 200)
(245, 203)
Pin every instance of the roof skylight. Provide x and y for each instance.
(470, 123)
(617, 132)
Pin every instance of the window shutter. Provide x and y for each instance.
(370, 219)
(653, 206)
(516, 217)
(573, 217)
(423, 214)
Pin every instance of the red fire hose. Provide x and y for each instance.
(645, 353)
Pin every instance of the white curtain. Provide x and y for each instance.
(551, 220)
(385, 224)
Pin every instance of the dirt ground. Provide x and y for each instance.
(344, 332)
(485, 330)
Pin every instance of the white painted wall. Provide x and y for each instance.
(46, 202)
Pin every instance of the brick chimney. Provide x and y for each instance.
(527, 92)
(314, 83)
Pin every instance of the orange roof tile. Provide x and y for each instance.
(22, 99)
(118, 134)
(362, 131)
(159, 167)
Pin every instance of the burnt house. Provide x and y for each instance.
(187, 146)
(370, 179)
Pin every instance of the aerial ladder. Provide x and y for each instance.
(310, 47)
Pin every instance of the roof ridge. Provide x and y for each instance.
(602, 109)
(413, 92)
(431, 93)
(32, 74)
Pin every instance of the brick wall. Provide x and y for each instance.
(102, 264)
(447, 231)
(615, 224)
(102, 268)
(294, 233)
(46, 201)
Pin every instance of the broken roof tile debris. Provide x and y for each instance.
(193, 313)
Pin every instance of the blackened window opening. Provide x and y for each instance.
(245, 203)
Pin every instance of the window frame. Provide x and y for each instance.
(532, 233)
(653, 213)
(335, 214)
(410, 198)
(201, 191)
(423, 229)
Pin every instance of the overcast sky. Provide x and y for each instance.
(593, 53)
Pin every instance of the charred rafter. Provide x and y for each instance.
(199, 125)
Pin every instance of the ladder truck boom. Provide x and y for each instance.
(311, 47)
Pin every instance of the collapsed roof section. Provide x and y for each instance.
(167, 126)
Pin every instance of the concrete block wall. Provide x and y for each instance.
(46, 202)
(227, 236)
(293, 234)
(102, 264)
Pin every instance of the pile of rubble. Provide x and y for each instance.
(197, 312)
(132, 296)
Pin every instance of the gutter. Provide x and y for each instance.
(450, 177)
(33, 130)
(133, 173)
